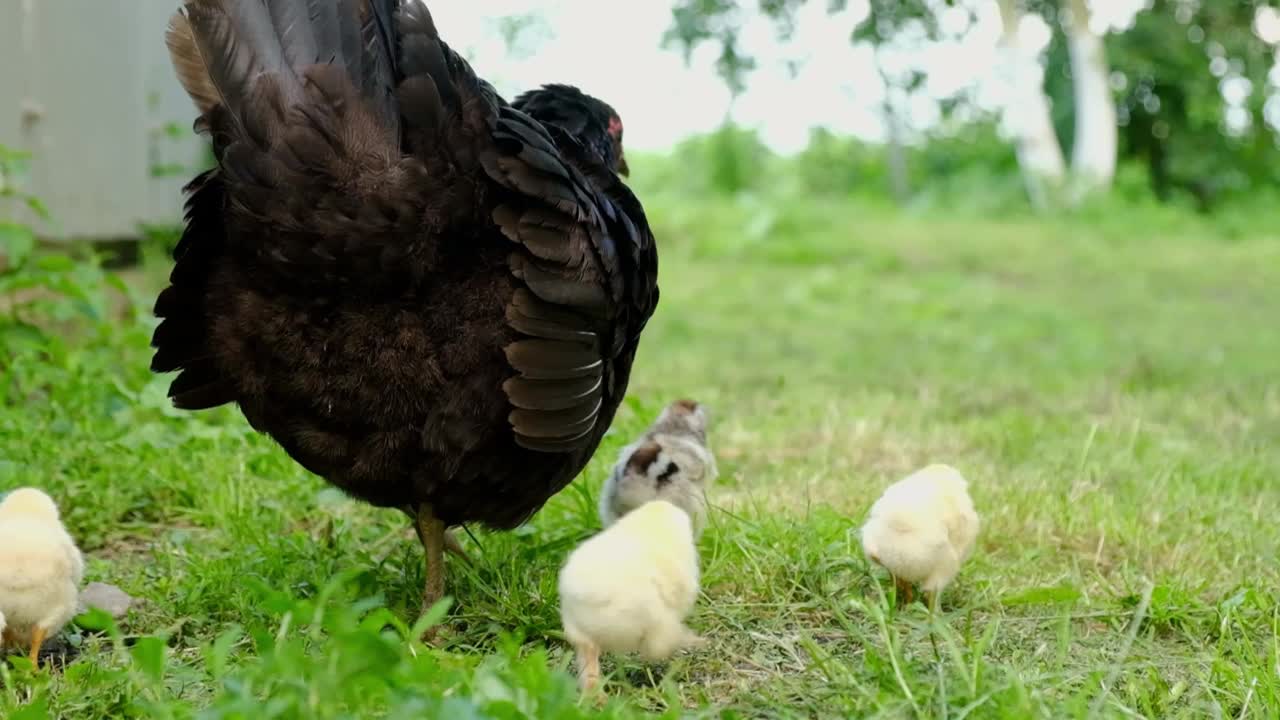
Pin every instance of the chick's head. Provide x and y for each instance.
(684, 417)
(29, 503)
(654, 471)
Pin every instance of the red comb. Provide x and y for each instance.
(615, 126)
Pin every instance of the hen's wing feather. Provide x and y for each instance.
(575, 295)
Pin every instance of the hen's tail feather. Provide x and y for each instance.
(306, 131)
(422, 52)
(221, 48)
(439, 97)
(237, 43)
(181, 338)
(189, 64)
(298, 97)
(380, 53)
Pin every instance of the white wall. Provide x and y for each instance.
(85, 86)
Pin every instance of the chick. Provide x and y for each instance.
(40, 570)
(671, 462)
(630, 588)
(922, 529)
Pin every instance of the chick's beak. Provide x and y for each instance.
(623, 170)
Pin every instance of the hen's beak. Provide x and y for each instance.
(623, 170)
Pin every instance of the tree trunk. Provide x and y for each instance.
(1027, 115)
(896, 161)
(1093, 157)
(899, 183)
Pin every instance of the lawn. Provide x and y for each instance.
(1110, 385)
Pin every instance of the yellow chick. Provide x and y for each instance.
(630, 588)
(40, 570)
(922, 529)
(671, 462)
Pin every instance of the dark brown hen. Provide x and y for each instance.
(428, 296)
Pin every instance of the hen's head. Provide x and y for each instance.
(593, 122)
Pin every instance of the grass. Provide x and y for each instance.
(1109, 385)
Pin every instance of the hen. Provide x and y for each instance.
(425, 294)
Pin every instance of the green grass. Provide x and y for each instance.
(1109, 385)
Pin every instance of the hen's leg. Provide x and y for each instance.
(37, 641)
(453, 546)
(451, 543)
(431, 532)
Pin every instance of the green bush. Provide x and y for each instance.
(49, 301)
(834, 165)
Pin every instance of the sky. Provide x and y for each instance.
(612, 49)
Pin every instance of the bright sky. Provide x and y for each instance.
(612, 49)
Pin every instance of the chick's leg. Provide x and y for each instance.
(37, 641)
(692, 640)
(905, 595)
(588, 659)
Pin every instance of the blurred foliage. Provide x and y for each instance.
(1193, 83)
(523, 34)
(17, 239)
(1182, 65)
(43, 292)
(698, 21)
(971, 166)
(1172, 71)
(721, 21)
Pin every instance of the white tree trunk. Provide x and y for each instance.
(1027, 116)
(1093, 157)
(899, 179)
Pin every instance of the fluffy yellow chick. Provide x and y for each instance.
(630, 588)
(922, 529)
(671, 462)
(40, 570)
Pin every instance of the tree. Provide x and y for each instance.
(1195, 94)
(1027, 112)
(695, 22)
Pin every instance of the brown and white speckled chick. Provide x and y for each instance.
(40, 570)
(671, 461)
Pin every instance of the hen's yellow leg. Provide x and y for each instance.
(431, 533)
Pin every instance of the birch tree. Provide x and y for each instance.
(1093, 157)
(1026, 113)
